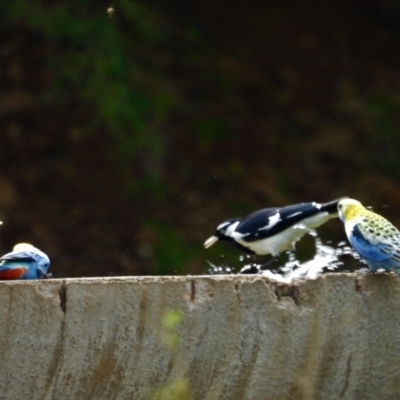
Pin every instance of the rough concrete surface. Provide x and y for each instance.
(240, 337)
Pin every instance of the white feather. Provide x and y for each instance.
(273, 220)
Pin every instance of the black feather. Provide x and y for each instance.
(251, 225)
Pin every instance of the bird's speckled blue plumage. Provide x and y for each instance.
(374, 238)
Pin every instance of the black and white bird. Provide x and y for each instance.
(273, 230)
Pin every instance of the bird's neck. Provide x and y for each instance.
(355, 211)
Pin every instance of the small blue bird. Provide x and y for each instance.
(24, 262)
(273, 230)
(374, 238)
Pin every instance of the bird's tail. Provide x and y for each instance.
(331, 206)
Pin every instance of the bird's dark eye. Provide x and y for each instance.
(340, 206)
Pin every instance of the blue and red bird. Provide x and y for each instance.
(24, 262)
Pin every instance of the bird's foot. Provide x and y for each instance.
(257, 268)
(364, 271)
(250, 269)
(381, 271)
(377, 271)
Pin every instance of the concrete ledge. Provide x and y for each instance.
(239, 337)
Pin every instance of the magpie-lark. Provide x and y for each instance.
(273, 230)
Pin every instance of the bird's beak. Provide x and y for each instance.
(210, 241)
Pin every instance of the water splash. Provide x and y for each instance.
(219, 270)
(326, 258)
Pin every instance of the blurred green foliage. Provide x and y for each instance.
(170, 252)
(111, 63)
(382, 112)
(170, 323)
(178, 388)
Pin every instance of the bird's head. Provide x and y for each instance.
(348, 209)
(43, 266)
(223, 232)
(22, 247)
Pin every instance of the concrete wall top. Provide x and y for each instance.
(237, 337)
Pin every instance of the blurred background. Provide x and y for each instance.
(130, 130)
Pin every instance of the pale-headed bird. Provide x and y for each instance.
(374, 238)
(273, 230)
(24, 262)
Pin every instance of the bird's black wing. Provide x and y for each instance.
(270, 221)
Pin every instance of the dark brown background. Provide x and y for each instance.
(126, 139)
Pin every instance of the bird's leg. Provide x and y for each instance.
(269, 262)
